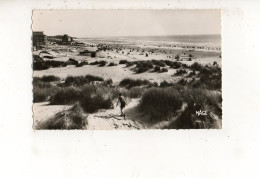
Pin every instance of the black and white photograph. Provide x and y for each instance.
(129, 89)
(127, 69)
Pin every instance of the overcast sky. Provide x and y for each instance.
(95, 23)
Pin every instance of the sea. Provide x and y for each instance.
(179, 38)
(201, 40)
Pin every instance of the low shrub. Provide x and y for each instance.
(81, 80)
(75, 80)
(109, 82)
(164, 70)
(112, 64)
(37, 58)
(173, 64)
(42, 90)
(46, 78)
(40, 66)
(94, 63)
(129, 64)
(209, 78)
(91, 104)
(66, 95)
(123, 62)
(182, 81)
(48, 57)
(143, 66)
(135, 92)
(198, 99)
(73, 118)
(129, 83)
(82, 64)
(102, 63)
(94, 78)
(180, 72)
(158, 63)
(47, 64)
(160, 103)
(196, 66)
(166, 84)
(72, 61)
(157, 69)
(192, 73)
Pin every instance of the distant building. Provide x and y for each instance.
(39, 38)
(66, 39)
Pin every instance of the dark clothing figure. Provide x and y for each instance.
(122, 103)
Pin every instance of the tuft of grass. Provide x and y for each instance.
(123, 62)
(48, 57)
(166, 84)
(160, 103)
(199, 99)
(173, 64)
(112, 64)
(73, 118)
(92, 103)
(196, 66)
(180, 72)
(129, 83)
(94, 63)
(143, 66)
(40, 66)
(72, 61)
(157, 69)
(159, 63)
(42, 90)
(81, 80)
(102, 63)
(135, 92)
(129, 63)
(209, 78)
(164, 69)
(66, 95)
(48, 64)
(46, 78)
(82, 64)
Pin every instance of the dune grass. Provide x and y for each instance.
(66, 95)
(42, 89)
(73, 118)
(82, 64)
(46, 78)
(200, 99)
(43, 65)
(173, 64)
(160, 103)
(180, 72)
(81, 80)
(210, 77)
(129, 83)
(112, 64)
(123, 62)
(143, 66)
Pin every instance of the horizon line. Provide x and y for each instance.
(144, 35)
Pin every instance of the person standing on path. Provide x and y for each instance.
(122, 103)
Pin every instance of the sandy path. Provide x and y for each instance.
(111, 119)
(102, 120)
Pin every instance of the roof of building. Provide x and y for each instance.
(38, 33)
